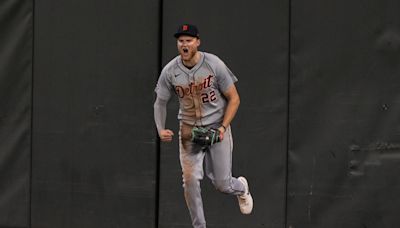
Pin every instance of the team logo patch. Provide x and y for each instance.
(185, 28)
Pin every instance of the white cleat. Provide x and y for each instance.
(245, 200)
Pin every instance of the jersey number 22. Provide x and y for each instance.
(205, 97)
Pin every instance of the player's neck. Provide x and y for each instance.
(193, 61)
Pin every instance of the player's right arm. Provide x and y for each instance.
(160, 116)
(163, 90)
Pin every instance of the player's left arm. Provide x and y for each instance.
(232, 96)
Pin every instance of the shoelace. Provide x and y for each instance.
(244, 196)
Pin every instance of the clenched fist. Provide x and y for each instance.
(166, 135)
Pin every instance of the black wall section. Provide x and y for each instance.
(345, 108)
(94, 151)
(15, 111)
(252, 38)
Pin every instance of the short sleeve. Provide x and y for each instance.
(225, 77)
(164, 86)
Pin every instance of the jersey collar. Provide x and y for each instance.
(195, 68)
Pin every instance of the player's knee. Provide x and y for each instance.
(223, 186)
(190, 180)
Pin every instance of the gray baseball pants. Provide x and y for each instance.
(217, 160)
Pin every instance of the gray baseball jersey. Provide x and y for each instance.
(199, 89)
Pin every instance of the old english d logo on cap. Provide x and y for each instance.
(187, 29)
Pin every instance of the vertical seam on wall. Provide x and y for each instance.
(29, 214)
(289, 74)
(157, 139)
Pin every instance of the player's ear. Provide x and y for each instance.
(198, 42)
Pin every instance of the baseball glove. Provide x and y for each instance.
(205, 137)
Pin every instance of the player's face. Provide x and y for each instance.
(187, 47)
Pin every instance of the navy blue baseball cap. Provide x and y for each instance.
(187, 29)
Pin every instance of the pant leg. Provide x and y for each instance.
(218, 162)
(191, 158)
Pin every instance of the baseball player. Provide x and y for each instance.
(208, 102)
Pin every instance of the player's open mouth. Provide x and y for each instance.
(185, 50)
